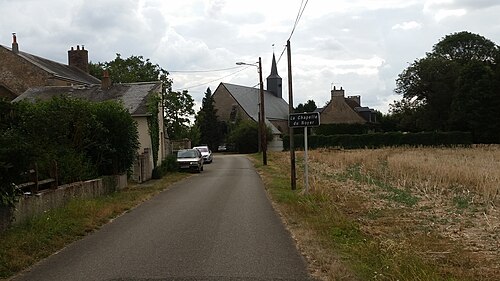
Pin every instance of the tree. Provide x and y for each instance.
(208, 122)
(309, 106)
(137, 69)
(178, 107)
(244, 135)
(452, 88)
(85, 139)
(131, 70)
(118, 140)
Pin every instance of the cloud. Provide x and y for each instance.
(407, 25)
(215, 7)
(361, 45)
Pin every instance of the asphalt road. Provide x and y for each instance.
(216, 225)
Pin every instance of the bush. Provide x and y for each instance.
(377, 140)
(167, 165)
(245, 137)
(83, 138)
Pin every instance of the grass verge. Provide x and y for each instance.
(26, 243)
(332, 238)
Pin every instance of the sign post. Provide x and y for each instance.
(305, 120)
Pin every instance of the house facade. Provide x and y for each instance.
(134, 97)
(345, 110)
(20, 71)
(24, 76)
(233, 101)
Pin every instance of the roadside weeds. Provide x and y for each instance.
(357, 223)
(28, 242)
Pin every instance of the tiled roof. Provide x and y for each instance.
(63, 71)
(133, 95)
(248, 99)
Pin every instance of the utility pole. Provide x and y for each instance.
(262, 124)
(293, 178)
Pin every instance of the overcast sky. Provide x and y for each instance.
(360, 45)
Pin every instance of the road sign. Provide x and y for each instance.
(308, 119)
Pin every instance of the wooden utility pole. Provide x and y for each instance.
(262, 125)
(293, 178)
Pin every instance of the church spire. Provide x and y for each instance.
(274, 80)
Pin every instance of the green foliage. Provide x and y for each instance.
(130, 70)
(178, 108)
(377, 140)
(167, 165)
(208, 123)
(80, 138)
(341, 129)
(309, 106)
(154, 126)
(15, 154)
(245, 136)
(455, 87)
(117, 142)
(194, 135)
(137, 69)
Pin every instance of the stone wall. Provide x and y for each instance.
(17, 74)
(225, 104)
(29, 206)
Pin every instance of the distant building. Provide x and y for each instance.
(20, 71)
(345, 110)
(232, 101)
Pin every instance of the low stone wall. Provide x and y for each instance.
(29, 206)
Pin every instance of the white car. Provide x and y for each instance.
(206, 153)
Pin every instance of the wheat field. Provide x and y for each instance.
(475, 171)
(443, 204)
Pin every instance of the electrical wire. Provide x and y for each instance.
(297, 19)
(202, 71)
(202, 84)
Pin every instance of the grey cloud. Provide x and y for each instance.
(468, 4)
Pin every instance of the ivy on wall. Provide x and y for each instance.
(154, 126)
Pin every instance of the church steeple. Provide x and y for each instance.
(274, 80)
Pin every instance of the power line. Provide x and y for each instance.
(202, 71)
(297, 19)
(198, 85)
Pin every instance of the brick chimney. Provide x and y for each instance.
(15, 46)
(106, 80)
(79, 58)
(337, 93)
(356, 99)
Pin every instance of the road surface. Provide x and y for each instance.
(216, 225)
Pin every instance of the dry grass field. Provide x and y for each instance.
(435, 206)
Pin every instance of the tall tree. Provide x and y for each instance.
(208, 122)
(137, 69)
(131, 70)
(452, 88)
(178, 107)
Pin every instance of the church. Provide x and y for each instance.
(232, 101)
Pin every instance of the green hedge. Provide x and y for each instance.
(345, 129)
(377, 140)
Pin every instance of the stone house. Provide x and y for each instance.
(345, 110)
(232, 101)
(25, 76)
(134, 97)
(20, 71)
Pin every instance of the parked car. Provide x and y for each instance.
(222, 148)
(190, 159)
(206, 153)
